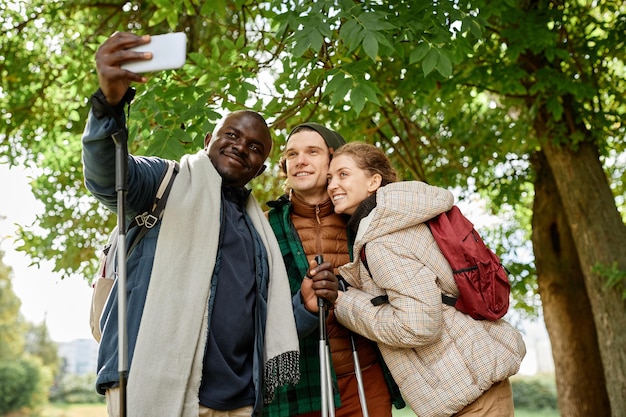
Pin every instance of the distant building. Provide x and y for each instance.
(538, 357)
(80, 356)
(545, 361)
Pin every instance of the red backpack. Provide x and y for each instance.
(483, 283)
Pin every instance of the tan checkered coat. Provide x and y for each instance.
(440, 358)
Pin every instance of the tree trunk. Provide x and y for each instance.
(599, 235)
(569, 320)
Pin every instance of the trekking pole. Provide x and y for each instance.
(121, 167)
(359, 378)
(328, 404)
(322, 352)
(329, 382)
(357, 368)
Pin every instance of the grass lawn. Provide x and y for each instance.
(404, 412)
(542, 413)
(74, 410)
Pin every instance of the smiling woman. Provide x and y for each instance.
(62, 304)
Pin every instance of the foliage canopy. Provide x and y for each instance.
(448, 89)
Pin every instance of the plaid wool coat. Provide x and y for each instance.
(440, 358)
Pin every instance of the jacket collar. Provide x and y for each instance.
(303, 209)
(361, 212)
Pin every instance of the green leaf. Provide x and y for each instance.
(199, 59)
(370, 46)
(158, 16)
(352, 34)
(74, 116)
(174, 147)
(190, 7)
(315, 40)
(357, 99)
(241, 95)
(172, 19)
(419, 52)
(370, 90)
(430, 62)
(301, 46)
(444, 66)
(338, 88)
(248, 86)
(213, 7)
(554, 106)
(375, 21)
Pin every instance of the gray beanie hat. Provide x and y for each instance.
(333, 139)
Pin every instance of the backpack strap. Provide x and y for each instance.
(149, 219)
(384, 299)
(448, 300)
(107, 260)
(381, 299)
(364, 260)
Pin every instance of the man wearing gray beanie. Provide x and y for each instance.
(306, 225)
(333, 139)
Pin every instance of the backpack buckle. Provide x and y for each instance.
(140, 219)
(150, 220)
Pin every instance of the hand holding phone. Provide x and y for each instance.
(168, 52)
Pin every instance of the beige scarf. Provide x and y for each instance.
(167, 363)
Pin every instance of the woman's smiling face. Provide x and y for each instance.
(349, 185)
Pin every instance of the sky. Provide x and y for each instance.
(64, 304)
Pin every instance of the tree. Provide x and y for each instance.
(567, 83)
(20, 379)
(460, 94)
(551, 83)
(566, 307)
(11, 322)
(39, 344)
(23, 380)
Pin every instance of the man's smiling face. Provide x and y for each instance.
(239, 147)
(306, 161)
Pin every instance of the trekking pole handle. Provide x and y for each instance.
(320, 301)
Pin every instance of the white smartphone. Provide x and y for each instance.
(168, 52)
